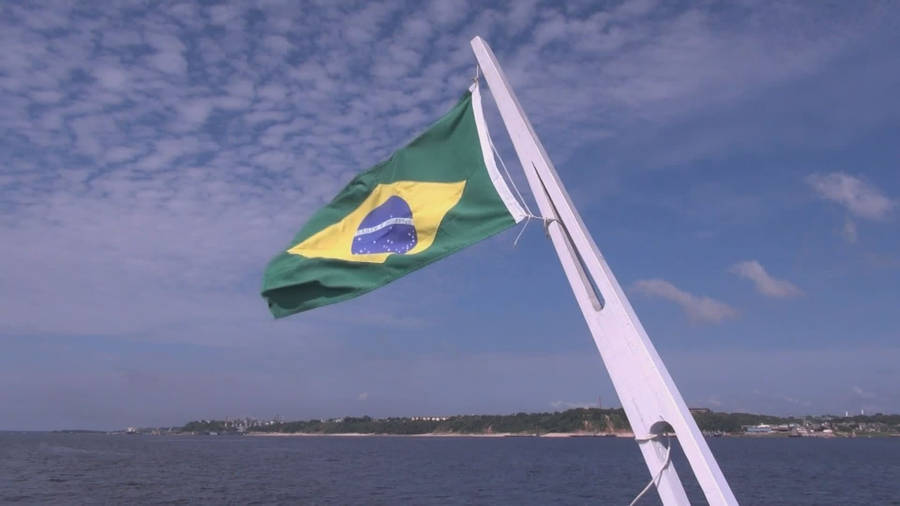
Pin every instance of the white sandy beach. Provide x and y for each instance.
(445, 434)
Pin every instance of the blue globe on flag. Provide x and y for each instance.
(388, 228)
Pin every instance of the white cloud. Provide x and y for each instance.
(448, 13)
(699, 308)
(564, 405)
(634, 8)
(169, 57)
(224, 14)
(863, 393)
(764, 282)
(111, 77)
(860, 198)
(848, 231)
(195, 112)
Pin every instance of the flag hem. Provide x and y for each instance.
(484, 139)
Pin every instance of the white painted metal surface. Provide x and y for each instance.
(645, 389)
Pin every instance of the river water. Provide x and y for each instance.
(54, 468)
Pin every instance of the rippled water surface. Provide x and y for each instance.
(49, 468)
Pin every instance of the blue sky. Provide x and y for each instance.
(737, 163)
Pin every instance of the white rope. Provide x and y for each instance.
(654, 481)
(528, 214)
(511, 181)
(521, 231)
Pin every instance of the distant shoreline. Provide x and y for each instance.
(576, 422)
(442, 434)
(556, 435)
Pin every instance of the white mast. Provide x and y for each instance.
(647, 392)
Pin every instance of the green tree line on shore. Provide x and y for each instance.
(584, 420)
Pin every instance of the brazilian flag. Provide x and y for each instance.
(437, 195)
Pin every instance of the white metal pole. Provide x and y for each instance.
(645, 389)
